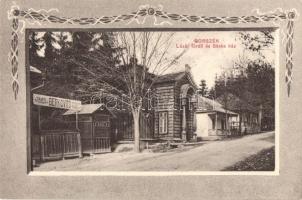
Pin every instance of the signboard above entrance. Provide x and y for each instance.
(56, 102)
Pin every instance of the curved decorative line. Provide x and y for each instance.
(144, 12)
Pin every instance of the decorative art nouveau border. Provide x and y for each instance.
(42, 16)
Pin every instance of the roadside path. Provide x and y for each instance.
(213, 156)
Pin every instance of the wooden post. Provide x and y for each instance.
(240, 123)
(63, 144)
(42, 147)
(77, 121)
(194, 123)
(116, 133)
(216, 122)
(184, 124)
(92, 148)
(226, 122)
(41, 139)
(39, 118)
(79, 145)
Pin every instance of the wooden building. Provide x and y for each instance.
(248, 118)
(94, 124)
(50, 137)
(174, 115)
(178, 114)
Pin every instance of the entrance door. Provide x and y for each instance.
(101, 136)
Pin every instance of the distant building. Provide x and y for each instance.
(247, 120)
(213, 120)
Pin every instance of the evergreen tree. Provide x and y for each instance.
(33, 48)
(256, 88)
(203, 89)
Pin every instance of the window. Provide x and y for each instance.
(163, 122)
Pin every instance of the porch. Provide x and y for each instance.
(211, 124)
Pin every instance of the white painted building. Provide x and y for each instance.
(212, 119)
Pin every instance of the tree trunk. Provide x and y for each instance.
(260, 117)
(136, 131)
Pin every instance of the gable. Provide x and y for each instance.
(178, 78)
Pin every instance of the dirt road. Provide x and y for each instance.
(213, 156)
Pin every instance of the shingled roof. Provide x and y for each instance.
(170, 77)
(85, 109)
(89, 109)
(206, 105)
(173, 77)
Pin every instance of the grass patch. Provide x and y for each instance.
(262, 161)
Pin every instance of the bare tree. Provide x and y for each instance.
(144, 57)
(139, 59)
(123, 65)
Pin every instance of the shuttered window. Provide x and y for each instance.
(163, 122)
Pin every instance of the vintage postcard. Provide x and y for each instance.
(152, 92)
(152, 100)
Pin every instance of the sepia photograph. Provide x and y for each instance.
(150, 99)
(156, 100)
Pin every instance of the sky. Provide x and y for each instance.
(205, 63)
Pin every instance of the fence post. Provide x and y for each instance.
(42, 147)
(63, 145)
(79, 145)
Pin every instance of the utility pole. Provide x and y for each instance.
(225, 102)
(214, 104)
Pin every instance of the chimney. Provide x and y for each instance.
(187, 68)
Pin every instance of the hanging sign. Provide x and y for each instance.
(56, 102)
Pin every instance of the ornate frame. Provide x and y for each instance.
(42, 16)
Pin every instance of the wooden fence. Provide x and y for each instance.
(101, 145)
(124, 129)
(223, 132)
(56, 145)
(218, 132)
(96, 145)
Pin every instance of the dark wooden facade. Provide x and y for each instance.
(94, 125)
(172, 90)
(174, 93)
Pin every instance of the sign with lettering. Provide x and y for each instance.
(102, 124)
(56, 102)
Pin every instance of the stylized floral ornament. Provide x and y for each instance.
(289, 49)
(43, 16)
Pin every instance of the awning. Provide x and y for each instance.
(35, 70)
(88, 109)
